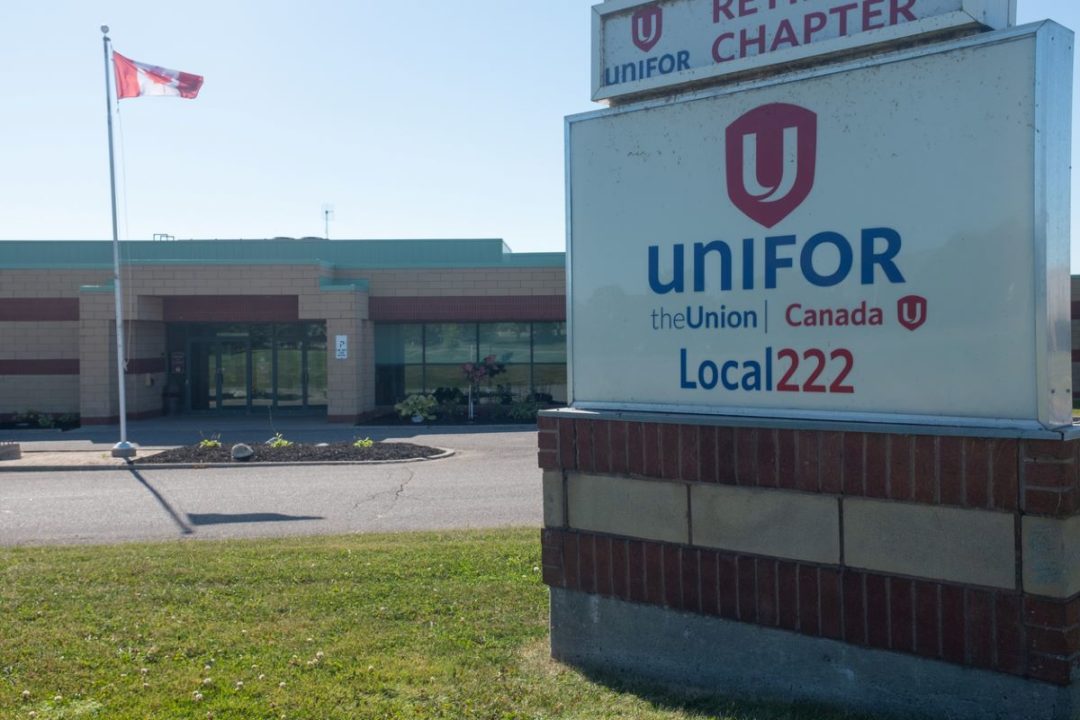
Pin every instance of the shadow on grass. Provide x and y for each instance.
(229, 518)
(699, 703)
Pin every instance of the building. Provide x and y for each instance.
(338, 327)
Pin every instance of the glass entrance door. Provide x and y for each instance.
(248, 367)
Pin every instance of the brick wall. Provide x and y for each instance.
(953, 548)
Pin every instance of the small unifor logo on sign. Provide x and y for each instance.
(911, 311)
(771, 158)
(647, 25)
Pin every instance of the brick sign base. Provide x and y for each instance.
(877, 570)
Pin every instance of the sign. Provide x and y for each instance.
(642, 47)
(341, 347)
(884, 240)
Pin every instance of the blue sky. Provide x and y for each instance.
(418, 119)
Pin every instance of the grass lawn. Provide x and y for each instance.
(364, 626)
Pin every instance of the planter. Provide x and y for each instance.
(417, 419)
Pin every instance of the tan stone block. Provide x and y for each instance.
(943, 543)
(554, 499)
(624, 506)
(1051, 557)
(777, 523)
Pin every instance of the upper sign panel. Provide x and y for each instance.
(641, 47)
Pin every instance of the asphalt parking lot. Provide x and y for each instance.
(492, 480)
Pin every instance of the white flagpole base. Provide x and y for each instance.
(123, 449)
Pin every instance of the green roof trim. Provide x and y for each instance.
(362, 254)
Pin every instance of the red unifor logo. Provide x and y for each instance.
(771, 156)
(911, 311)
(647, 25)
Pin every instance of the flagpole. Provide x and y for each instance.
(122, 449)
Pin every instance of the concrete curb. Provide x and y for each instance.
(200, 466)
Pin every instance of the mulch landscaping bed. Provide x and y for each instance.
(297, 452)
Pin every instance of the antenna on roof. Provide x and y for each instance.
(328, 215)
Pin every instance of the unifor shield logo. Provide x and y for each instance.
(647, 25)
(771, 157)
(911, 311)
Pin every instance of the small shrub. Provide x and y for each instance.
(278, 441)
(449, 396)
(422, 405)
(524, 410)
(362, 443)
(210, 443)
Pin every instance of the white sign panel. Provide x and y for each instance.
(885, 240)
(644, 46)
(341, 347)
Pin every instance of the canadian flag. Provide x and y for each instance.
(134, 79)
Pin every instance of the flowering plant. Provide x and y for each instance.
(475, 372)
(489, 368)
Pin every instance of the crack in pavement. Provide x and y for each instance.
(397, 492)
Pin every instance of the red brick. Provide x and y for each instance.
(747, 588)
(1051, 613)
(546, 423)
(672, 576)
(1055, 476)
(587, 563)
(854, 608)
(788, 595)
(1048, 502)
(853, 464)
(980, 628)
(710, 588)
(832, 462)
(766, 592)
(1009, 634)
(620, 582)
(603, 561)
(809, 466)
(650, 438)
(601, 446)
(901, 462)
(654, 574)
(1053, 641)
(617, 443)
(669, 452)
(951, 475)
(809, 621)
(708, 469)
(635, 550)
(766, 457)
(547, 460)
(583, 433)
(570, 561)
(830, 605)
(952, 623)
(689, 448)
(1048, 450)
(725, 456)
(876, 468)
(927, 622)
(1050, 669)
(635, 449)
(877, 611)
(567, 445)
(746, 440)
(1004, 461)
(977, 472)
(728, 586)
(901, 615)
(691, 578)
(926, 469)
(787, 470)
(547, 441)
